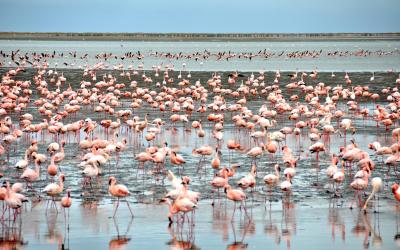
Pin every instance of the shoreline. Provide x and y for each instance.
(209, 37)
(226, 71)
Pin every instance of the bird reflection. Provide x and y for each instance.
(362, 227)
(245, 229)
(288, 223)
(11, 235)
(335, 220)
(121, 240)
(180, 239)
(376, 233)
(397, 235)
(271, 229)
(220, 219)
(53, 236)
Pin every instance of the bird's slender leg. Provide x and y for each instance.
(47, 205)
(65, 216)
(234, 209)
(116, 207)
(55, 204)
(129, 206)
(245, 210)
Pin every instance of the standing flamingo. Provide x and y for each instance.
(236, 195)
(119, 191)
(376, 183)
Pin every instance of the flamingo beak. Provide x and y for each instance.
(109, 182)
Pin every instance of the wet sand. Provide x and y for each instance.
(318, 224)
(307, 220)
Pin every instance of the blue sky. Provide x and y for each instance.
(200, 16)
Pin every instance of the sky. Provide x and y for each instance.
(213, 16)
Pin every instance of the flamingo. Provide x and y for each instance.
(316, 148)
(53, 190)
(376, 183)
(219, 182)
(249, 180)
(119, 191)
(173, 209)
(254, 152)
(12, 200)
(396, 191)
(272, 179)
(30, 175)
(236, 195)
(177, 159)
(66, 203)
(359, 184)
(22, 164)
(59, 156)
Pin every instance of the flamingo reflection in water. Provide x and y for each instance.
(397, 235)
(180, 239)
(11, 235)
(288, 223)
(53, 235)
(362, 227)
(240, 244)
(121, 240)
(270, 228)
(220, 220)
(336, 220)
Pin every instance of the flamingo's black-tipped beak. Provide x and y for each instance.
(225, 190)
(109, 182)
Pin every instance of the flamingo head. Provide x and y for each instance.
(186, 180)
(111, 180)
(226, 188)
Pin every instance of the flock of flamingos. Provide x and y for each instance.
(47, 106)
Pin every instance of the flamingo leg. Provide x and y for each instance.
(116, 207)
(129, 206)
(234, 210)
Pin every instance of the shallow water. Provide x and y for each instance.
(369, 63)
(312, 225)
(306, 220)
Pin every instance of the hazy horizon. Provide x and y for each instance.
(207, 16)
